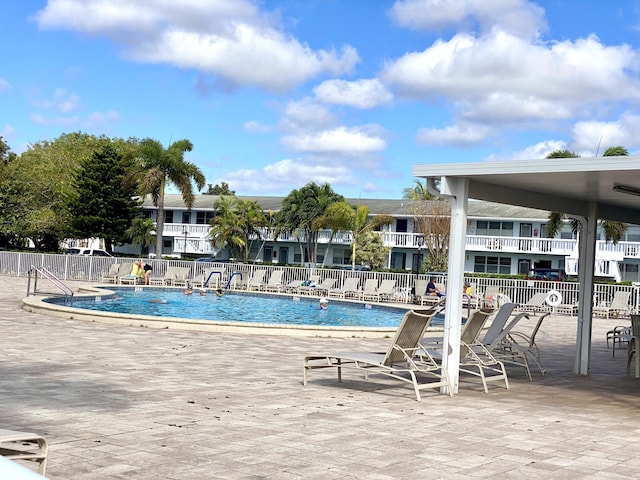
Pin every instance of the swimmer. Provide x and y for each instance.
(158, 300)
(219, 292)
(203, 291)
(189, 289)
(323, 303)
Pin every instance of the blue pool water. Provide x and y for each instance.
(243, 307)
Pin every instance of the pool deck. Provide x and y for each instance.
(122, 402)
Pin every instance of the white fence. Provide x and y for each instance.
(90, 269)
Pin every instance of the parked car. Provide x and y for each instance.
(205, 259)
(549, 274)
(88, 251)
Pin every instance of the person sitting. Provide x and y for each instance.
(432, 290)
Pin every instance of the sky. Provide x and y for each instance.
(275, 94)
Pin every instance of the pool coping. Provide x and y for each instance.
(36, 304)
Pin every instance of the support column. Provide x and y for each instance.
(586, 267)
(455, 190)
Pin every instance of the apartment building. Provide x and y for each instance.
(500, 238)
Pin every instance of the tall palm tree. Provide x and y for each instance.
(341, 216)
(158, 167)
(613, 231)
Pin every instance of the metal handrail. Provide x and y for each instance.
(44, 272)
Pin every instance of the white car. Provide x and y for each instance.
(88, 251)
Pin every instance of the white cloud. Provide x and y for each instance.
(4, 85)
(340, 141)
(232, 40)
(534, 152)
(99, 119)
(364, 93)
(519, 17)
(62, 101)
(255, 127)
(8, 132)
(280, 176)
(95, 120)
(587, 135)
(307, 115)
(456, 135)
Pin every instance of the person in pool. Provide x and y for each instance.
(188, 290)
(219, 292)
(323, 303)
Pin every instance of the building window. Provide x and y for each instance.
(484, 264)
(168, 216)
(204, 218)
(186, 217)
(494, 229)
(341, 256)
(401, 225)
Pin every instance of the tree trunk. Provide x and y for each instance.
(160, 221)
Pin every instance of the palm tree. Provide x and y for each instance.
(341, 216)
(158, 167)
(613, 231)
(299, 210)
(234, 224)
(417, 192)
(140, 232)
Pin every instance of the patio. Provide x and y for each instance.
(118, 402)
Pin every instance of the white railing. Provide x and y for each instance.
(90, 269)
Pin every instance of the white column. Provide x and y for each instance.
(455, 190)
(586, 265)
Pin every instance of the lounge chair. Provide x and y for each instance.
(257, 280)
(491, 297)
(274, 284)
(323, 287)
(419, 290)
(475, 358)
(619, 306)
(111, 275)
(211, 278)
(349, 288)
(26, 446)
(386, 290)
(134, 276)
(370, 289)
(182, 277)
(537, 303)
(306, 287)
(633, 349)
(123, 271)
(166, 279)
(397, 362)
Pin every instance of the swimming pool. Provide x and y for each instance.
(243, 307)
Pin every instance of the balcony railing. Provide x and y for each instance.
(197, 241)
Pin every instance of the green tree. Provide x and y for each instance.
(341, 216)
(102, 205)
(371, 251)
(40, 183)
(235, 223)
(613, 231)
(141, 233)
(299, 211)
(222, 189)
(158, 167)
(7, 212)
(417, 192)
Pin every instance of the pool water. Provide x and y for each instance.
(243, 307)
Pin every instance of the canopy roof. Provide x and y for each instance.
(588, 188)
(556, 184)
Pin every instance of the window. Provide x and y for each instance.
(401, 225)
(168, 216)
(186, 217)
(495, 229)
(482, 264)
(341, 256)
(204, 218)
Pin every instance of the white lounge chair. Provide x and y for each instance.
(537, 303)
(111, 276)
(25, 446)
(349, 288)
(370, 289)
(397, 362)
(323, 287)
(257, 280)
(619, 306)
(306, 287)
(274, 284)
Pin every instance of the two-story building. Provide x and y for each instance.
(500, 239)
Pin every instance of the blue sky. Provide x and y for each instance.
(277, 93)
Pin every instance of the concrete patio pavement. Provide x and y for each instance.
(119, 402)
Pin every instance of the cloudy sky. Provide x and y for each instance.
(277, 93)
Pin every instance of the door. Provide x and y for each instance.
(526, 231)
(283, 255)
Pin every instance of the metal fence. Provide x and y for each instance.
(91, 269)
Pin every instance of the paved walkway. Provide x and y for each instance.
(120, 402)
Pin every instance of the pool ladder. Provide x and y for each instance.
(44, 272)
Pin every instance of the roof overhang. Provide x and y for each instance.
(565, 185)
